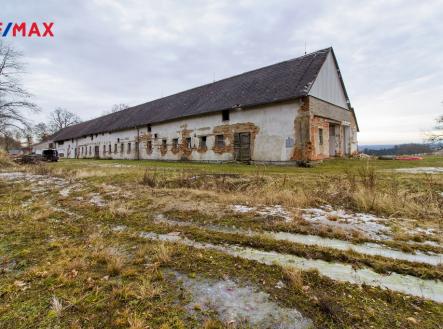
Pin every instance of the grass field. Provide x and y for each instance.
(146, 244)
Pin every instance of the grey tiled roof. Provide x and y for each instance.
(275, 83)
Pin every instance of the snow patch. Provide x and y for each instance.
(421, 170)
(97, 200)
(241, 208)
(370, 225)
(371, 249)
(274, 211)
(240, 305)
(408, 284)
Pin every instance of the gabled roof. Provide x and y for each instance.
(275, 83)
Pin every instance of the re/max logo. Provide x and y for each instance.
(27, 30)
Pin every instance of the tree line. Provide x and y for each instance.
(402, 149)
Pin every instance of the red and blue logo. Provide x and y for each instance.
(29, 30)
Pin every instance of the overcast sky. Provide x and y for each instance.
(106, 52)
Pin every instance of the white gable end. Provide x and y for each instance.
(327, 85)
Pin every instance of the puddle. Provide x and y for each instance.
(430, 289)
(371, 249)
(421, 170)
(367, 224)
(240, 305)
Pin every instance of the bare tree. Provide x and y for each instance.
(119, 107)
(61, 118)
(14, 99)
(116, 108)
(437, 135)
(10, 140)
(41, 131)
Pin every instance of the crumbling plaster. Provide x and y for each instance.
(278, 132)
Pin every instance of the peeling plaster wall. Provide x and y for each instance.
(324, 115)
(271, 128)
(279, 132)
(321, 150)
(100, 140)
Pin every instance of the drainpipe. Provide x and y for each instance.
(138, 143)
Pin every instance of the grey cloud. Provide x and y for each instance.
(107, 52)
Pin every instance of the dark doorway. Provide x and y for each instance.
(242, 147)
(96, 152)
(332, 147)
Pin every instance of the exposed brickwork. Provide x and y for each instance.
(183, 146)
(315, 114)
(144, 138)
(302, 147)
(229, 130)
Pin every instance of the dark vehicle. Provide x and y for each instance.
(50, 155)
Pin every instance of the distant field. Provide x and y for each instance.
(328, 166)
(150, 244)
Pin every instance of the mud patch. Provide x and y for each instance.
(238, 305)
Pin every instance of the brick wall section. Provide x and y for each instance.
(316, 114)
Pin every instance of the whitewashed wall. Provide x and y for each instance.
(327, 85)
(274, 140)
(38, 148)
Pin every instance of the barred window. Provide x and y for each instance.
(219, 140)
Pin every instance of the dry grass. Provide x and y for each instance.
(136, 322)
(213, 324)
(5, 160)
(111, 258)
(294, 277)
(147, 290)
(118, 209)
(13, 213)
(98, 283)
(56, 306)
(163, 253)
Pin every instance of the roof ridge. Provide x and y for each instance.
(237, 75)
(269, 84)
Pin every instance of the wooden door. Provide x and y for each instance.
(96, 152)
(242, 147)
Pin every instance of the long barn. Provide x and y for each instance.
(297, 110)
